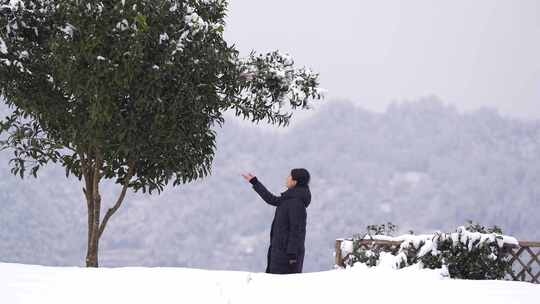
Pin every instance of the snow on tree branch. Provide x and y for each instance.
(271, 82)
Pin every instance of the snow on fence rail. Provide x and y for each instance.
(525, 257)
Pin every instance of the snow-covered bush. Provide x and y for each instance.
(369, 254)
(471, 252)
(474, 252)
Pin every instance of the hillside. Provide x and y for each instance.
(422, 165)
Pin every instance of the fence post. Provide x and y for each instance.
(339, 261)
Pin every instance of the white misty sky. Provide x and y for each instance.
(468, 53)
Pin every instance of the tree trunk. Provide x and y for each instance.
(91, 170)
(92, 255)
(93, 236)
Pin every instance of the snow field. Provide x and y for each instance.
(382, 284)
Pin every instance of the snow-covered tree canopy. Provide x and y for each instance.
(135, 83)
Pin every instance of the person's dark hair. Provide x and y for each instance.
(301, 176)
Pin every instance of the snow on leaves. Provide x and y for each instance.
(173, 28)
(67, 29)
(194, 24)
(3, 47)
(163, 37)
(286, 82)
(122, 25)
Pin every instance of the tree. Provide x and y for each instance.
(131, 91)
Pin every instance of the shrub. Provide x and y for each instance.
(369, 254)
(471, 252)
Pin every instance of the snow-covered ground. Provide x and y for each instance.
(38, 284)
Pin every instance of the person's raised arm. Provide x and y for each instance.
(266, 195)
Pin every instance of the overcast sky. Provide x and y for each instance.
(470, 53)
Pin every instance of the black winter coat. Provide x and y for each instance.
(288, 232)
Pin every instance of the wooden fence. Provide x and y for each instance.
(525, 258)
(526, 262)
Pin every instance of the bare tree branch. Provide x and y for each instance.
(120, 199)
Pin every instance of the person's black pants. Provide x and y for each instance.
(283, 267)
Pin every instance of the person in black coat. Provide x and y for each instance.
(288, 232)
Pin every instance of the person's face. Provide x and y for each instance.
(291, 183)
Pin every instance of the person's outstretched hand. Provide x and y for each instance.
(248, 176)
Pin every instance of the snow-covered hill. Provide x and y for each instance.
(423, 166)
(38, 284)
